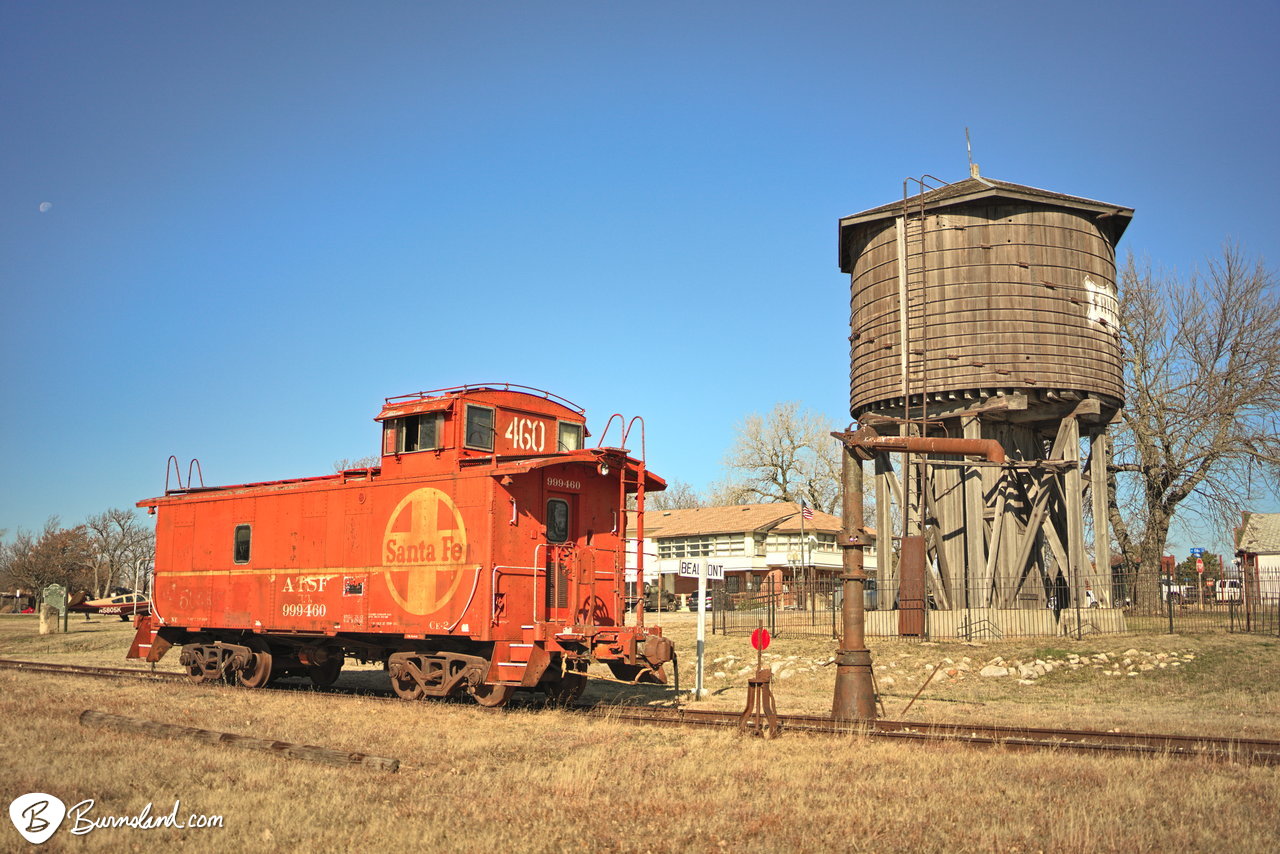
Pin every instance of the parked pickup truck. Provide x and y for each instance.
(1176, 594)
(652, 598)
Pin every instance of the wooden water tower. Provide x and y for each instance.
(984, 310)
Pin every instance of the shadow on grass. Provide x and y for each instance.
(374, 682)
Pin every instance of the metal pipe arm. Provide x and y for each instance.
(867, 441)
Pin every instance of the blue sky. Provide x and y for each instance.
(262, 219)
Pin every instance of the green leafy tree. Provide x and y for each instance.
(1186, 570)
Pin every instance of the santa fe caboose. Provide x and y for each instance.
(487, 553)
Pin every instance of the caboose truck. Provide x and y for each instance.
(486, 553)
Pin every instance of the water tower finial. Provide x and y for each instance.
(973, 167)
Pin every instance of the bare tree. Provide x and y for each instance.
(56, 555)
(787, 456)
(1202, 376)
(344, 464)
(677, 496)
(122, 548)
(142, 558)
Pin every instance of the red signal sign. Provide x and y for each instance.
(760, 639)
(1200, 565)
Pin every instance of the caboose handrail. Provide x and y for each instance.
(546, 579)
(172, 462)
(552, 396)
(631, 424)
(475, 585)
(493, 588)
(193, 468)
(605, 432)
(626, 431)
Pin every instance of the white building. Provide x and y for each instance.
(750, 540)
(1258, 550)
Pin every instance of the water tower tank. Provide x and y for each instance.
(986, 311)
(993, 286)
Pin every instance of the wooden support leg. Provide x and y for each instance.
(760, 715)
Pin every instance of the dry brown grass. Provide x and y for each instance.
(536, 780)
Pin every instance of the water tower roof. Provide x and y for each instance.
(970, 190)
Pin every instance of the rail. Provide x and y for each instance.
(1256, 751)
(1231, 749)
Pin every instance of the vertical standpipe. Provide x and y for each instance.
(855, 696)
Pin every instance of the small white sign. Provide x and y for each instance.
(693, 568)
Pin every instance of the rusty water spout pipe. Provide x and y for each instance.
(855, 696)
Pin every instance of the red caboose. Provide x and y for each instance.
(486, 553)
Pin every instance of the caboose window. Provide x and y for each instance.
(241, 551)
(418, 432)
(557, 520)
(479, 428)
(570, 437)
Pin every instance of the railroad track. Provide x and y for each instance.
(83, 670)
(1242, 750)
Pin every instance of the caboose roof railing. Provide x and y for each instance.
(462, 389)
(340, 477)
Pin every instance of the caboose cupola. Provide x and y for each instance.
(445, 428)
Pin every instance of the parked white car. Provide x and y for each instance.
(1227, 590)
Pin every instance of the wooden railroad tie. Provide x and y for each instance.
(324, 755)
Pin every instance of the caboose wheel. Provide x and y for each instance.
(324, 675)
(491, 695)
(407, 688)
(258, 673)
(195, 672)
(566, 690)
(202, 660)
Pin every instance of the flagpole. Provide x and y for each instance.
(804, 564)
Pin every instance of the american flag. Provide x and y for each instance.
(806, 511)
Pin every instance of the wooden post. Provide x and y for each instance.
(886, 556)
(1073, 493)
(137, 726)
(1099, 459)
(977, 580)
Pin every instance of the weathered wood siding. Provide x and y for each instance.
(1017, 295)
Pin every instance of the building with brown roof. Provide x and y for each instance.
(751, 541)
